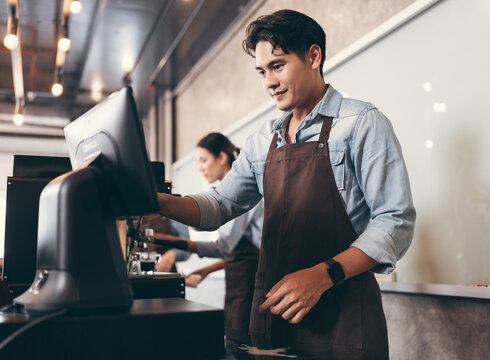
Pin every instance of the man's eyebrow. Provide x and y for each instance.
(270, 64)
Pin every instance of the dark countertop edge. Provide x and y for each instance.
(460, 291)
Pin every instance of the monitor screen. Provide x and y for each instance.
(112, 133)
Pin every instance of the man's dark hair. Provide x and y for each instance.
(288, 30)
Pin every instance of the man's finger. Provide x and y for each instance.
(271, 300)
(275, 288)
(282, 305)
(299, 316)
(291, 311)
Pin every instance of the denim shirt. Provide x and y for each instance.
(368, 167)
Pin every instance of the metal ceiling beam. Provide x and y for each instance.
(174, 44)
(96, 19)
(162, 15)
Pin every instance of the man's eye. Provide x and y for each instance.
(277, 67)
(261, 72)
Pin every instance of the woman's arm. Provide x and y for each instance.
(209, 269)
(191, 245)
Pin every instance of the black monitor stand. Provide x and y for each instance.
(80, 263)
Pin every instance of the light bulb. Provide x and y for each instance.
(75, 7)
(11, 41)
(57, 89)
(64, 44)
(18, 119)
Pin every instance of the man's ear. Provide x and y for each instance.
(314, 56)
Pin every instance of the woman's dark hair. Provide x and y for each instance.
(287, 30)
(216, 142)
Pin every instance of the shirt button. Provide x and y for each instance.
(320, 145)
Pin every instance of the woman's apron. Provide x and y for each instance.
(240, 269)
(305, 223)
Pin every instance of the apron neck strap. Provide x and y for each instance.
(325, 131)
(273, 144)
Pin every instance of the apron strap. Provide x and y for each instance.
(325, 131)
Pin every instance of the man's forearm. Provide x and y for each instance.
(182, 209)
(353, 262)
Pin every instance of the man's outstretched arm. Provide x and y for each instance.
(182, 209)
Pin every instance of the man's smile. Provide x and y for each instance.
(278, 94)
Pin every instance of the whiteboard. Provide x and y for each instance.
(431, 77)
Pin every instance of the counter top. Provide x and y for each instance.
(175, 327)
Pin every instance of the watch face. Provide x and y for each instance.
(336, 273)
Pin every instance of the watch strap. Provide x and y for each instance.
(335, 271)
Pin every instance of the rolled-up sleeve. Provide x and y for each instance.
(210, 211)
(235, 195)
(383, 178)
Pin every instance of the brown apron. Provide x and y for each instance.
(240, 269)
(305, 223)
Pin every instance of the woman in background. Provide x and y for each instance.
(238, 242)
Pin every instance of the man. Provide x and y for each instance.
(337, 201)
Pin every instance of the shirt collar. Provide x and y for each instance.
(328, 106)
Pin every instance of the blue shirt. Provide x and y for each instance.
(248, 226)
(368, 167)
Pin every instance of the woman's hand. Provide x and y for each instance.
(209, 269)
(166, 262)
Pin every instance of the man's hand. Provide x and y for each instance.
(295, 295)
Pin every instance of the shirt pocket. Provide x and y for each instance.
(258, 170)
(337, 159)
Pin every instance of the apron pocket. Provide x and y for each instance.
(259, 329)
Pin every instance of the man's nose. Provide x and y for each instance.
(271, 81)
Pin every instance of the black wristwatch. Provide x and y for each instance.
(335, 272)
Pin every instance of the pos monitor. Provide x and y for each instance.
(79, 258)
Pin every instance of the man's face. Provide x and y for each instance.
(286, 77)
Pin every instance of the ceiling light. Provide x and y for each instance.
(75, 7)
(64, 44)
(427, 86)
(11, 41)
(57, 89)
(19, 112)
(18, 119)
